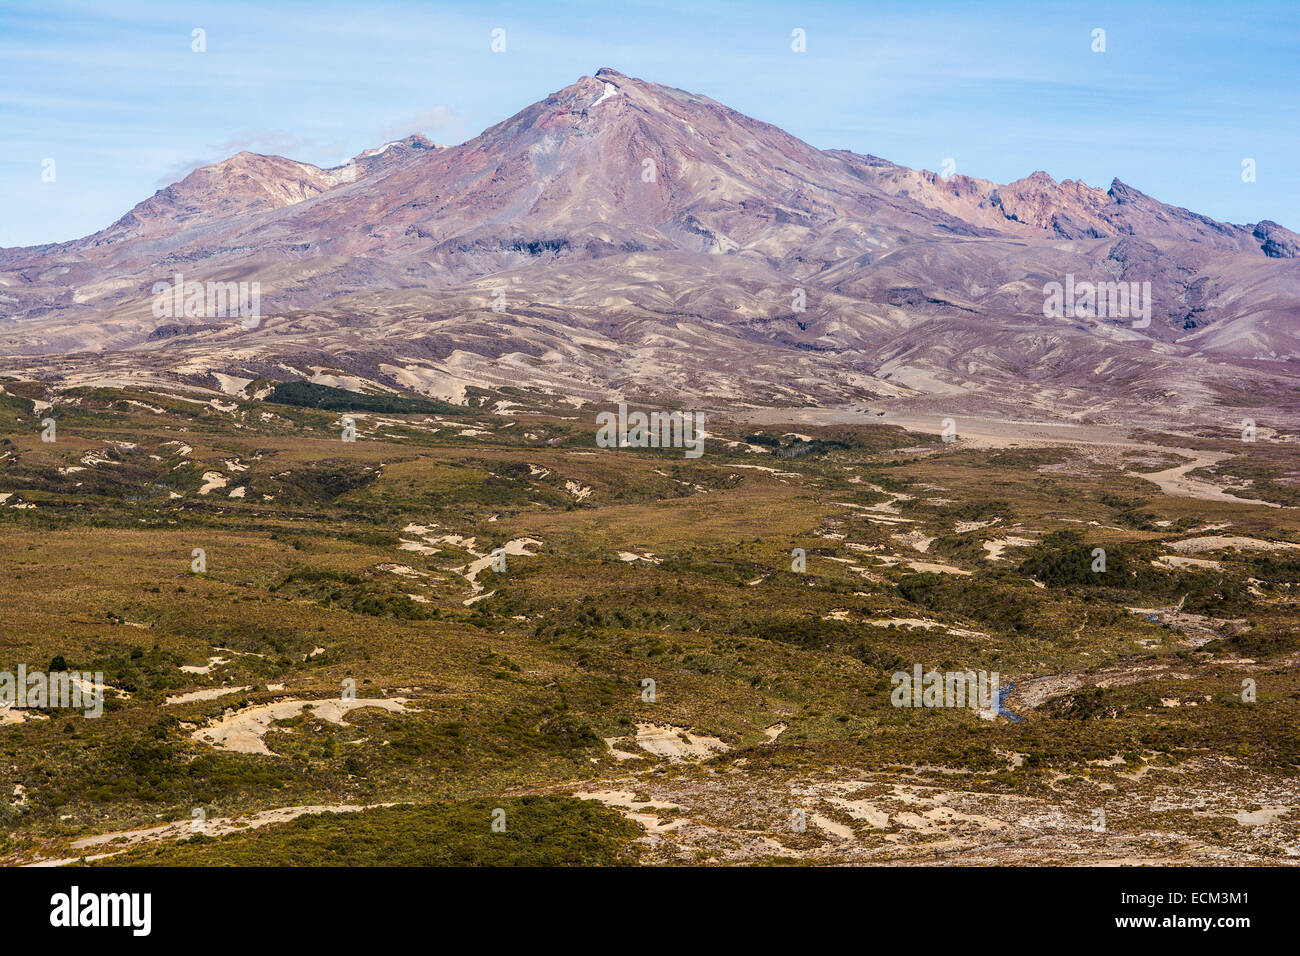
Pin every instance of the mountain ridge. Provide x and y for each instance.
(624, 182)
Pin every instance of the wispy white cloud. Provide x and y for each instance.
(440, 123)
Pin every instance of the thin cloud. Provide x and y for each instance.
(440, 123)
(273, 143)
(178, 171)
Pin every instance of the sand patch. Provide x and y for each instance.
(837, 830)
(1219, 542)
(17, 715)
(962, 527)
(403, 570)
(212, 480)
(242, 731)
(1178, 561)
(674, 743)
(616, 752)
(914, 539)
(911, 622)
(1177, 482)
(995, 548)
(207, 668)
(429, 544)
(580, 492)
(122, 840)
(626, 803)
(630, 556)
(210, 693)
(1260, 817)
(924, 566)
(518, 547)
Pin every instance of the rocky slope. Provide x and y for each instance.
(624, 236)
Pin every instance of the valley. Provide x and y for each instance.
(338, 480)
(351, 661)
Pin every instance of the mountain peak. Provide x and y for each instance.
(605, 168)
(413, 142)
(1122, 192)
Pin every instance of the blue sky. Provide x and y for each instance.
(1184, 92)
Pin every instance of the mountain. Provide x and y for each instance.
(642, 241)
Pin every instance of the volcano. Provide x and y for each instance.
(626, 239)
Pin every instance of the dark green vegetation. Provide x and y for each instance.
(328, 561)
(538, 831)
(310, 395)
